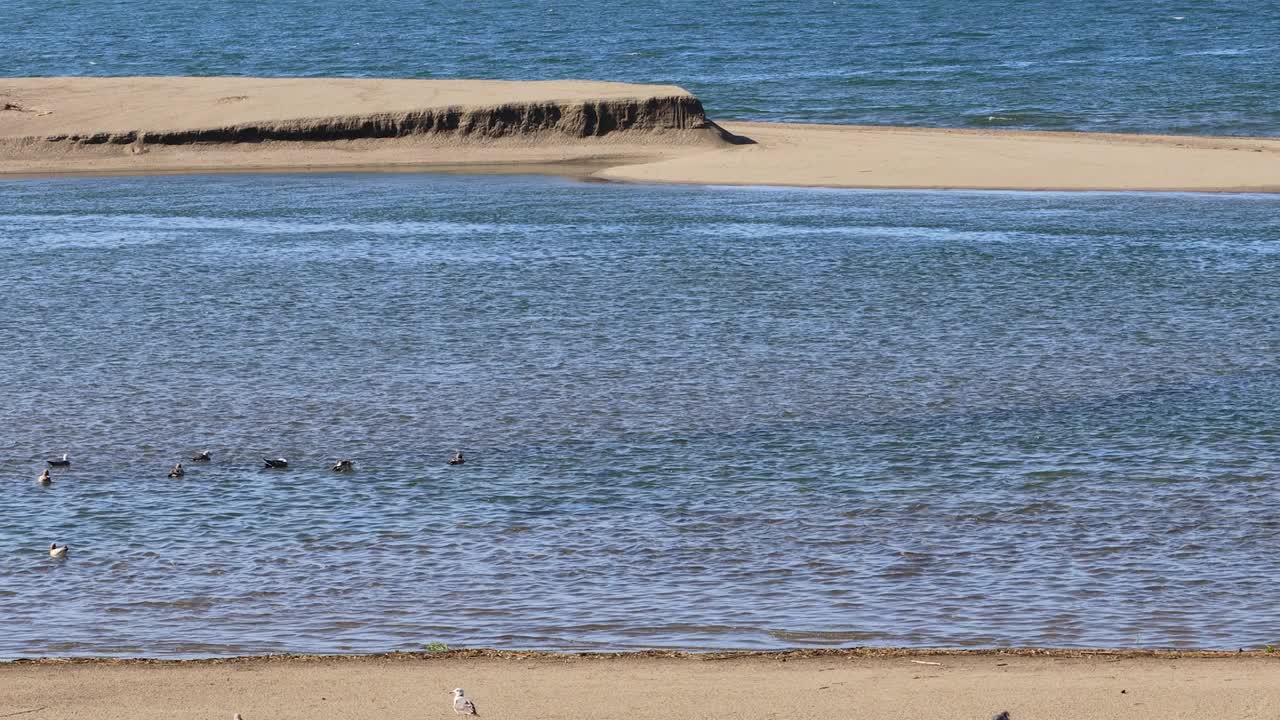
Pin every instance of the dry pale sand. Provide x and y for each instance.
(884, 157)
(641, 133)
(159, 124)
(69, 105)
(897, 686)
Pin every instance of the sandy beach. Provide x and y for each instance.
(874, 685)
(613, 131)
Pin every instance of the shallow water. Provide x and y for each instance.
(694, 417)
(1182, 67)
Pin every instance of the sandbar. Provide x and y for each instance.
(602, 130)
(929, 158)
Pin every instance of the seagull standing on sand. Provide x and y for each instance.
(177, 471)
(278, 463)
(462, 704)
(64, 462)
(202, 457)
(57, 552)
(457, 458)
(44, 478)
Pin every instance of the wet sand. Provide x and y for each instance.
(611, 131)
(867, 685)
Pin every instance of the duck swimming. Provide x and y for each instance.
(343, 466)
(57, 552)
(177, 471)
(457, 458)
(202, 457)
(44, 478)
(64, 462)
(278, 463)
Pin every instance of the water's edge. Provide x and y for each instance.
(781, 655)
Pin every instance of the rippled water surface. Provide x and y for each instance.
(1210, 67)
(694, 417)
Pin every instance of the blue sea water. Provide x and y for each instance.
(1205, 66)
(694, 417)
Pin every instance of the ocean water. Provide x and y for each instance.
(1210, 67)
(694, 417)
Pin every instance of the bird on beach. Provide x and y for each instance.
(343, 466)
(44, 478)
(278, 463)
(177, 471)
(462, 705)
(457, 458)
(57, 552)
(1002, 716)
(237, 717)
(64, 462)
(202, 457)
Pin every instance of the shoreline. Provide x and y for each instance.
(595, 171)
(863, 683)
(68, 127)
(584, 170)
(780, 655)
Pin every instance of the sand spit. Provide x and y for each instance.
(933, 685)
(185, 110)
(926, 158)
(614, 131)
(163, 124)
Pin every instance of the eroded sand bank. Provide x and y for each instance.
(897, 686)
(158, 124)
(642, 133)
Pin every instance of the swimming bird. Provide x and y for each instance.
(177, 471)
(457, 458)
(462, 704)
(44, 478)
(57, 552)
(344, 466)
(278, 463)
(202, 457)
(64, 462)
